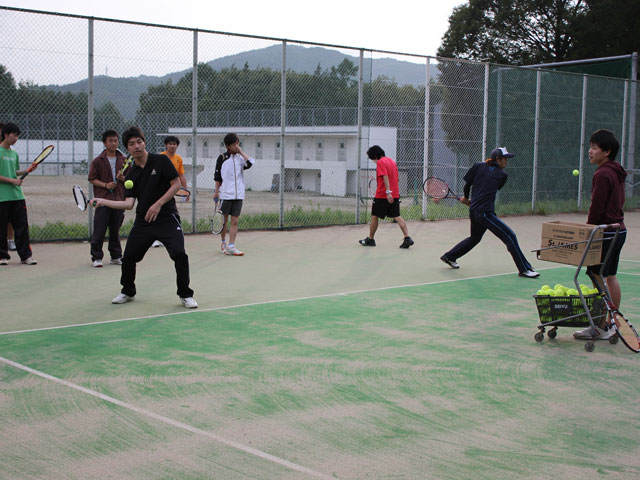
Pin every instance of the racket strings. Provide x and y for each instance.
(627, 332)
(436, 188)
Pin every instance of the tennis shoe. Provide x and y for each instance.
(122, 298)
(223, 248)
(12, 244)
(116, 261)
(529, 274)
(97, 264)
(451, 263)
(368, 242)
(4, 261)
(189, 302)
(156, 244)
(598, 334)
(232, 250)
(407, 242)
(29, 261)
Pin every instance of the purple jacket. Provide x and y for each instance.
(101, 170)
(607, 195)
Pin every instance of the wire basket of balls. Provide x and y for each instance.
(561, 306)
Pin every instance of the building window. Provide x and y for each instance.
(222, 147)
(277, 151)
(319, 152)
(205, 149)
(342, 152)
(298, 150)
(258, 149)
(189, 149)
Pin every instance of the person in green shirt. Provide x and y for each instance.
(13, 208)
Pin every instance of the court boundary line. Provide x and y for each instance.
(169, 421)
(266, 302)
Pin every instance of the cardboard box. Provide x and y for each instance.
(566, 236)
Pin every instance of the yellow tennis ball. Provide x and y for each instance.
(576, 173)
(128, 184)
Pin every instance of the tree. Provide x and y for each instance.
(521, 32)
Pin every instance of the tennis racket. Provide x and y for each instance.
(39, 159)
(438, 189)
(217, 219)
(183, 194)
(624, 329)
(373, 186)
(127, 162)
(81, 198)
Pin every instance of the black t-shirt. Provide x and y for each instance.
(485, 179)
(150, 183)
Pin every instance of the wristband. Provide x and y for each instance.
(388, 191)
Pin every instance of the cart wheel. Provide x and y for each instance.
(589, 346)
(539, 336)
(552, 333)
(613, 339)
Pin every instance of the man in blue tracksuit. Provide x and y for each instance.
(486, 178)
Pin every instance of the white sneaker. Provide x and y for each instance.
(233, 251)
(529, 274)
(189, 302)
(4, 261)
(223, 248)
(12, 244)
(122, 298)
(600, 334)
(97, 263)
(156, 244)
(116, 261)
(29, 261)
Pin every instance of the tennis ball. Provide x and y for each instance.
(542, 292)
(128, 184)
(576, 173)
(572, 292)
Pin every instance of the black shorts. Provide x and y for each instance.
(382, 208)
(231, 207)
(611, 268)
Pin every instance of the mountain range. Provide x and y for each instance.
(125, 92)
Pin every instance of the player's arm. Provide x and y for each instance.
(217, 176)
(387, 188)
(13, 181)
(126, 204)
(154, 209)
(248, 162)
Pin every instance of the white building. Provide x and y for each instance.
(317, 159)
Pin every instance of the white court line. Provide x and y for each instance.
(170, 421)
(267, 302)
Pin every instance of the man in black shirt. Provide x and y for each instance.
(487, 178)
(155, 182)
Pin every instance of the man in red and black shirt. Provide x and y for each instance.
(386, 202)
(607, 203)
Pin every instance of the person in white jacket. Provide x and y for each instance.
(229, 178)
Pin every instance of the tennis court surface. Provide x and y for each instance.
(312, 357)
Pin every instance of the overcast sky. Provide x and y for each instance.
(401, 26)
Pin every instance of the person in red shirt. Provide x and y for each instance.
(607, 203)
(386, 202)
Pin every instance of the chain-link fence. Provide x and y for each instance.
(305, 112)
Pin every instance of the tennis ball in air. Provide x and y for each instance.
(128, 184)
(576, 173)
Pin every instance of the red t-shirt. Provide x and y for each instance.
(386, 166)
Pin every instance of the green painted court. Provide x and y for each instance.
(312, 357)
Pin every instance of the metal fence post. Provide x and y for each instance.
(427, 125)
(90, 132)
(583, 133)
(534, 182)
(633, 102)
(359, 148)
(283, 121)
(499, 109)
(485, 110)
(194, 133)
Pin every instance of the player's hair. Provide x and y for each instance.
(8, 128)
(230, 139)
(132, 132)
(606, 141)
(109, 133)
(375, 152)
(171, 138)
